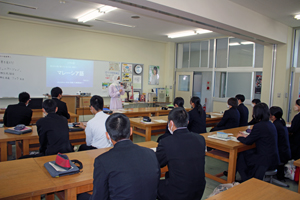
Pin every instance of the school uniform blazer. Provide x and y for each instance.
(184, 154)
(283, 141)
(127, 171)
(231, 119)
(197, 122)
(17, 114)
(253, 121)
(53, 134)
(244, 113)
(264, 135)
(295, 137)
(62, 108)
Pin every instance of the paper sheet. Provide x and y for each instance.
(161, 121)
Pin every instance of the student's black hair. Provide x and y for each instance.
(261, 112)
(155, 68)
(196, 101)
(277, 113)
(56, 91)
(49, 105)
(179, 101)
(298, 102)
(240, 97)
(179, 116)
(118, 126)
(233, 102)
(256, 101)
(24, 97)
(97, 102)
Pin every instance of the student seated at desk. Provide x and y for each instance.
(294, 131)
(283, 139)
(178, 102)
(53, 131)
(231, 117)
(127, 171)
(197, 117)
(56, 94)
(18, 113)
(244, 113)
(184, 154)
(95, 129)
(255, 162)
(254, 121)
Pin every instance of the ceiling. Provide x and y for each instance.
(145, 27)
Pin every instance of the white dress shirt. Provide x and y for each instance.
(95, 131)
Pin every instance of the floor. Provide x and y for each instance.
(212, 166)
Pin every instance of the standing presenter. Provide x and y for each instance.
(115, 91)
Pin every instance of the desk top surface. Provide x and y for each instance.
(226, 144)
(23, 178)
(297, 163)
(254, 189)
(146, 109)
(87, 158)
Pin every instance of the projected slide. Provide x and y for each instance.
(69, 73)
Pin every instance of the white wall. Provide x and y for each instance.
(39, 39)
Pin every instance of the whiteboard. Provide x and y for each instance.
(37, 75)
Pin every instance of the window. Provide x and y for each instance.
(184, 83)
(240, 53)
(220, 84)
(221, 54)
(239, 83)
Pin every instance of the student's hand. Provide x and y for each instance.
(120, 90)
(241, 134)
(81, 125)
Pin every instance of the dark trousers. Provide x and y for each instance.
(83, 196)
(84, 147)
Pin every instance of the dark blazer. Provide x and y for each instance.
(166, 134)
(253, 121)
(231, 119)
(264, 135)
(197, 122)
(244, 113)
(62, 108)
(126, 171)
(184, 154)
(283, 141)
(17, 114)
(53, 131)
(295, 137)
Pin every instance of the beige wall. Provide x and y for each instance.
(31, 38)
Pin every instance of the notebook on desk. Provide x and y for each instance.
(18, 132)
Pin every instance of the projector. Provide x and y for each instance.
(85, 94)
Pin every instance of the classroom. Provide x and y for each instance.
(230, 47)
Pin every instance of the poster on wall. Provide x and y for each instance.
(114, 66)
(127, 68)
(137, 82)
(126, 77)
(153, 75)
(258, 80)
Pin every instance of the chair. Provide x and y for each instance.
(269, 177)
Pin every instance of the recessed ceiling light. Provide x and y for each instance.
(234, 44)
(115, 23)
(297, 17)
(248, 42)
(135, 17)
(202, 31)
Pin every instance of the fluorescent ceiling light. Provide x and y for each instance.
(248, 42)
(234, 44)
(182, 34)
(115, 23)
(297, 17)
(202, 31)
(95, 13)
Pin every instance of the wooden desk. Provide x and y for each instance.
(154, 125)
(254, 189)
(24, 179)
(231, 147)
(297, 163)
(30, 138)
(134, 112)
(38, 114)
(81, 182)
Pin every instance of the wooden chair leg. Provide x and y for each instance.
(19, 148)
(9, 149)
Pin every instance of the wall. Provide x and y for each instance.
(40, 39)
